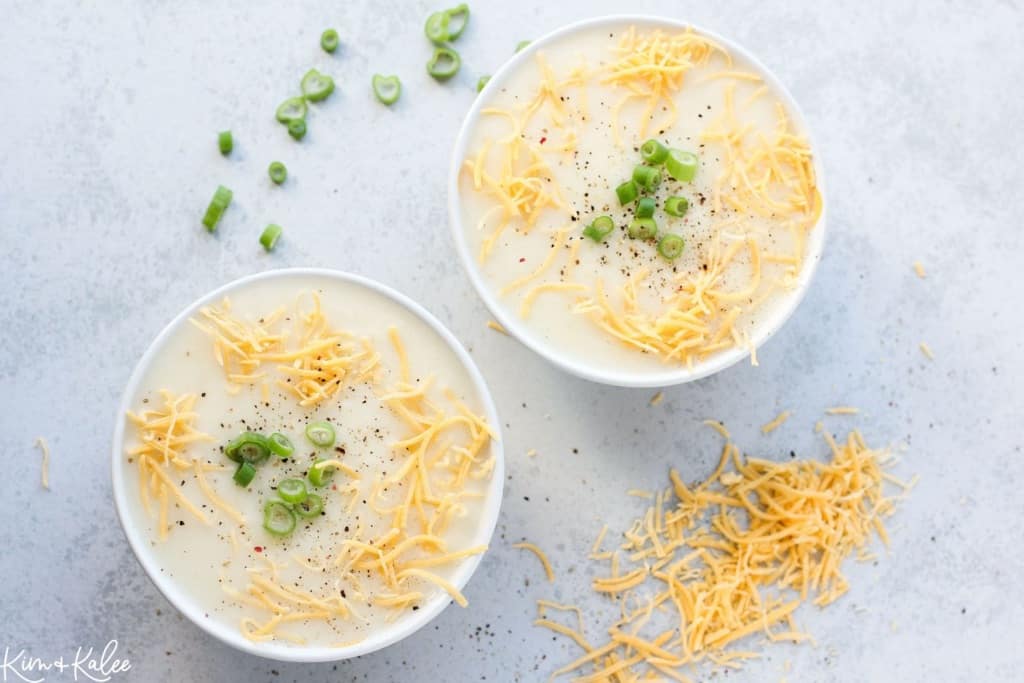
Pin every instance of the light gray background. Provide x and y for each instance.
(108, 158)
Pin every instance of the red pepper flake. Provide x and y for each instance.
(258, 549)
(543, 140)
(522, 259)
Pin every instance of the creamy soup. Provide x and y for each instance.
(558, 137)
(403, 491)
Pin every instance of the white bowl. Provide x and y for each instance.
(561, 357)
(187, 605)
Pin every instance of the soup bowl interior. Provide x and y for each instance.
(186, 603)
(569, 359)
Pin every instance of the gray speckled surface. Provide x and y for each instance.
(109, 114)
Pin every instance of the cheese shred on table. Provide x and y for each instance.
(767, 174)
(730, 559)
(44, 473)
(548, 571)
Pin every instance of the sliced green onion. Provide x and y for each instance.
(329, 40)
(270, 235)
(676, 206)
(481, 82)
(645, 207)
(278, 172)
(312, 506)
(278, 518)
(444, 63)
(279, 444)
(291, 110)
(244, 474)
(225, 142)
(521, 44)
(436, 28)
(653, 152)
(292, 490)
(320, 434)
(316, 86)
(387, 88)
(647, 177)
(681, 165)
(297, 129)
(627, 192)
(320, 472)
(600, 228)
(248, 447)
(461, 16)
(642, 229)
(216, 208)
(671, 246)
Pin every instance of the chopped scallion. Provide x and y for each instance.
(436, 28)
(653, 152)
(291, 109)
(278, 172)
(627, 192)
(244, 474)
(676, 206)
(278, 518)
(645, 207)
(647, 177)
(444, 63)
(312, 506)
(297, 129)
(320, 434)
(681, 165)
(458, 19)
(216, 208)
(292, 490)
(642, 229)
(329, 40)
(320, 472)
(521, 44)
(316, 86)
(279, 444)
(387, 88)
(225, 142)
(248, 447)
(600, 228)
(269, 237)
(481, 82)
(671, 246)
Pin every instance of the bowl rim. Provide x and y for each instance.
(561, 358)
(181, 600)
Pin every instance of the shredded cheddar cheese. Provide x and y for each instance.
(164, 437)
(842, 410)
(731, 558)
(776, 423)
(927, 351)
(919, 270)
(497, 327)
(548, 571)
(44, 474)
(318, 363)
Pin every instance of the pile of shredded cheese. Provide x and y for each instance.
(767, 174)
(313, 368)
(444, 448)
(165, 435)
(707, 566)
(653, 66)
